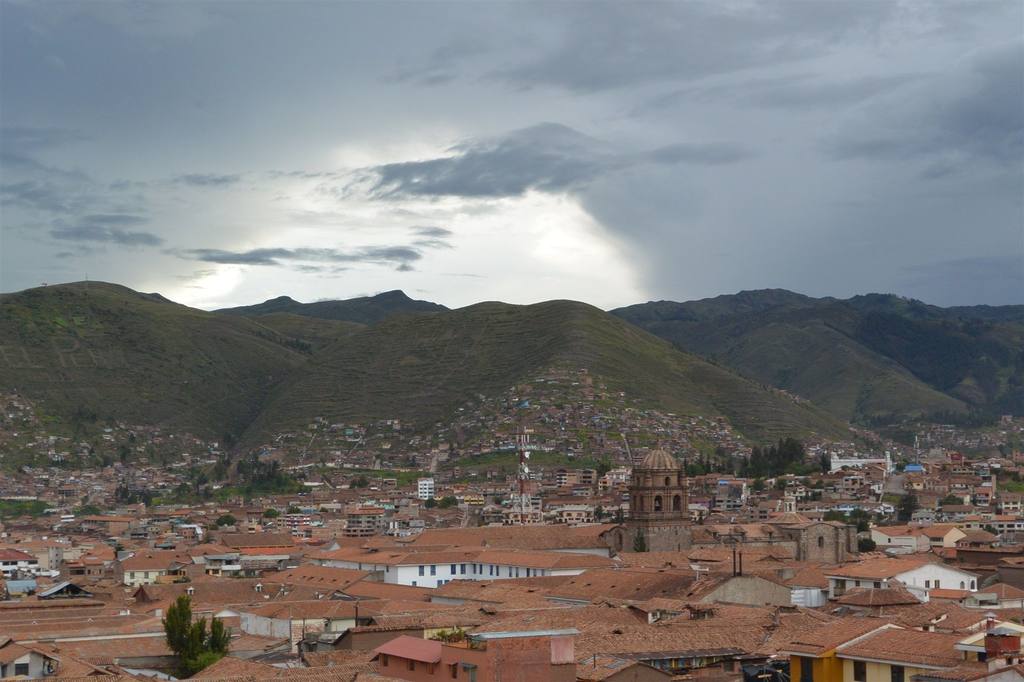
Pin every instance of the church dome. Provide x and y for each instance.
(659, 459)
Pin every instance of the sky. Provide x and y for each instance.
(224, 153)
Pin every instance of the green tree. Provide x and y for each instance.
(639, 541)
(227, 520)
(907, 506)
(620, 517)
(866, 545)
(294, 510)
(950, 499)
(271, 514)
(430, 503)
(447, 501)
(191, 643)
(359, 482)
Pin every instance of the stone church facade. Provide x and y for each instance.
(658, 508)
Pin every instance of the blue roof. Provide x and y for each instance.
(914, 467)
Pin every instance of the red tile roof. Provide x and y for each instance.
(415, 648)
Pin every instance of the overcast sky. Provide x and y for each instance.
(226, 153)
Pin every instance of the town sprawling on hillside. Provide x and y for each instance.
(360, 499)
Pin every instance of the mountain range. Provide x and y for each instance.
(93, 351)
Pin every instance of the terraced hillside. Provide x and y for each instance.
(421, 367)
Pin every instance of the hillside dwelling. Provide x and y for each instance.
(14, 562)
(917, 575)
(525, 656)
(147, 567)
(297, 620)
(911, 539)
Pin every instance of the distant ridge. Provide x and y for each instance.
(102, 352)
(868, 358)
(363, 310)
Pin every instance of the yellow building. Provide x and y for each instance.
(896, 655)
(812, 654)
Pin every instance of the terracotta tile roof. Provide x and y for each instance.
(414, 648)
(598, 668)
(320, 576)
(913, 647)
(365, 589)
(625, 584)
(155, 560)
(229, 666)
(870, 596)
(821, 640)
(809, 575)
(878, 568)
(943, 593)
(304, 610)
(1004, 591)
(507, 537)
(257, 540)
(944, 616)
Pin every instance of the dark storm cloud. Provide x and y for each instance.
(549, 157)
(974, 112)
(207, 179)
(106, 229)
(395, 255)
(624, 44)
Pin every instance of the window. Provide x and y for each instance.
(860, 671)
(806, 669)
(668, 481)
(896, 673)
(454, 670)
(962, 585)
(384, 660)
(677, 503)
(433, 569)
(453, 569)
(877, 584)
(972, 584)
(414, 583)
(462, 569)
(421, 570)
(821, 542)
(936, 584)
(21, 669)
(657, 503)
(412, 664)
(927, 584)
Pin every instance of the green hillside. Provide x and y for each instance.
(363, 310)
(93, 352)
(96, 351)
(420, 368)
(874, 356)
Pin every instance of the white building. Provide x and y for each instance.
(836, 462)
(425, 488)
(918, 575)
(433, 569)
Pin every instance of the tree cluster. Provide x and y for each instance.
(194, 645)
(786, 456)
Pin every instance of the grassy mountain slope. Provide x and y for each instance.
(363, 310)
(311, 333)
(869, 356)
(100, 349)
(422, 367)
